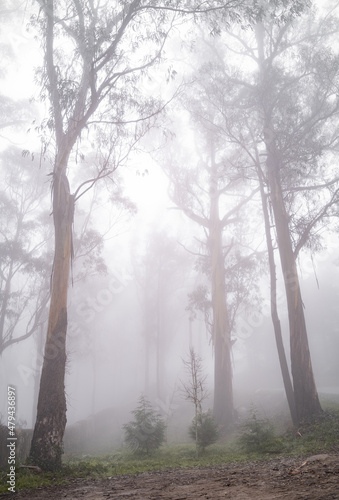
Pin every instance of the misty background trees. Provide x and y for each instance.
(181, 162)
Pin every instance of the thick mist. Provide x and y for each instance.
(168, 235)
(121, 321)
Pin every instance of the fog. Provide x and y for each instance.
(107, 340)
(129, 323)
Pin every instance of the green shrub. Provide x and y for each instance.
(258, 436)
(207, 430)
(147, 431)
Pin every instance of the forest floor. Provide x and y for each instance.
(293, 478)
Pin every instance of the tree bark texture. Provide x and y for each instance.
(46, 448)
(274, 309)
(305, 393)
(47, 441)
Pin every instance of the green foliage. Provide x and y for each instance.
(147, 431)
(320, 436)
(166, 457)
(199, 299)
(315, 437)
(206, 428)
(258, 436)
(25, 478)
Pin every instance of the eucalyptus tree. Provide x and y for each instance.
(159, 272)
(284, 115)
(206, 186)
(24, 258)
(305, 98)
(95, 54)
(195, 391)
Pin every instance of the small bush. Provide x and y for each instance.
(147, 431)
(258, 436)
(207, 430)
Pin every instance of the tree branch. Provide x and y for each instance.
(226, 219)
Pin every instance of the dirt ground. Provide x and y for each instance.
(294, 478)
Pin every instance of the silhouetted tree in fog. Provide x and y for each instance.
(159, 273)
(24, 258)
(91, 76)
(206, 186)
(284, 116)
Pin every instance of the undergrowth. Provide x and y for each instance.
(322, 435)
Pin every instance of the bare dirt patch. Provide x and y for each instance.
(293, 478)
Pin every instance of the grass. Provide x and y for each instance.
(319, 436)
(311, 438)
(123, 462)
(168, 457)
(26, 479)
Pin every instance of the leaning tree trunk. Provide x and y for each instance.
(305, 391)
(274, 309)
(47, 442)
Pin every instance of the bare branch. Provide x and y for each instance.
(227, 217)
(101, 175)
(306, 233)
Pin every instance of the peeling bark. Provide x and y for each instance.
(46, 448)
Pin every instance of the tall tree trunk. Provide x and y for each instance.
(274, 309)
(305, 392)
(159, 361)
(147, 361)
(223, 387)
(190, 328)
(40, 341)
(47, 442)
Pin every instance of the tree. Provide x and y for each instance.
(204, 430)
(195, 391)
(159, 274)
(146, 432)
(206, 186)
(76, 89)
(284, 117)
(24, 261)
(273, 302)
(232, 125)
(306, 397)
(91, 75)
(258, 435)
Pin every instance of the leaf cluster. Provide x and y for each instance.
(258, 435)
(146, 432)
(204, 429)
